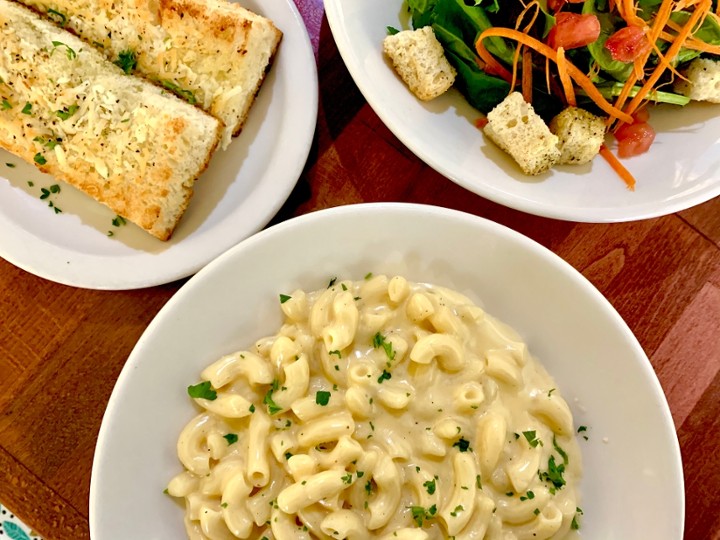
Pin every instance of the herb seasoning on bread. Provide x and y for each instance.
(120, 139)
(212, 53)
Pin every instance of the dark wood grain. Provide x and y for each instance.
(62, 348)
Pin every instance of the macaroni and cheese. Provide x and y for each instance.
(380, 409)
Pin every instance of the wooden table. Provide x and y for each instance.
(62, 348)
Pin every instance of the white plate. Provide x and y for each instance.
(237, 195)
(681, 170)
(632, 456)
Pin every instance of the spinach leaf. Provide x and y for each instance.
(467, 22)
(494, 7)
(421, 12)
(709, 32)
(482, 91)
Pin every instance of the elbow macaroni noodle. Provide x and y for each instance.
(380, 409)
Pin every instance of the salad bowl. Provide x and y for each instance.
(681, 169)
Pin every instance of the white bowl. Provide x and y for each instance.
(633, 483)
(681, 169)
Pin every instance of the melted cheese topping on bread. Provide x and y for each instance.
(123, 141)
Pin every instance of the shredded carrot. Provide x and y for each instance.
(527, 75)
(618, 167)
(671, 53)
(578, 76)
(617, 6)
(691, 42)
(547, 73)
(565, 78)
(630, 14)
(516, 57)
(661, 18)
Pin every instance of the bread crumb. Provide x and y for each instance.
(703, 82)
(580, 135)
(516, 128)
(419, 59)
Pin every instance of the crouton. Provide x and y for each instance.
(703, 82)
(419, 59)
(516, 128)
(580, 132)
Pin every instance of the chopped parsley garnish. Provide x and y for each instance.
(118, 221)
(322, 397)
(554, 474)
(231, 438)
(478, 482)
(332, 282)
(384, 376)
(126, 61)
(379, 341)
(27, 109)
(581, 429)
(391, 30)
(70, 53)
(224, 505)
(55, 188)
(529, 495)
(47, 141)
(284, 298)
(252, 408)
(185, 94)
(11, 165)
(59, 18)
(6, 105)
(368, 487)
(536, 511)
(67, 112)
(531, 438)
(574, 525)
(272, 407)
(420, 514)
(31, 183)
(360, 474)
(459, 508)
(462, 444)
(288, 455)
(550, 392)
(560, 451)
(368, 275)
(337, 353)
(430, 486)
(347, 479)
(203, 390)
(40, 159)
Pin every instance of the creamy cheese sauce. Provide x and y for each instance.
(381, 408)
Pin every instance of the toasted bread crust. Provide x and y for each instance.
(120, 139)
(213, 53)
